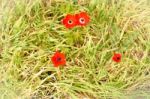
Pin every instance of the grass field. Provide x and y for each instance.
(31, 32)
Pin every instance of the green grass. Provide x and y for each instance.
(31, 32)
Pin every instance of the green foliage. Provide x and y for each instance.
(32, 32)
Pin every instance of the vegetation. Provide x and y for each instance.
(31, 32)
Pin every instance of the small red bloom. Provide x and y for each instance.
(69, 21)
(82, 18)
(117, 57)
(58, 59)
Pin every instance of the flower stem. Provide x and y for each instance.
(59, 73)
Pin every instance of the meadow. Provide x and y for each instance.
(32, 31)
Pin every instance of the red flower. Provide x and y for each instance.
(58, 59)
(69, 21)
(82, 18)
(117, 57)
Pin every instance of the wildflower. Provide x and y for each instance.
(58, 59)
(69, 21)
(82, 18)
(116, 57)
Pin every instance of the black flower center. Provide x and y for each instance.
(70, 22)
(118, 58)
(58, 59)
(82, 20)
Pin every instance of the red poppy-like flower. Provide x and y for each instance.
(116, 57)
(82, 18)
(69, 21)
(58, 59)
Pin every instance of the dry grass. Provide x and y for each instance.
(31, 32)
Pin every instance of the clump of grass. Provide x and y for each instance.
(32, 31)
